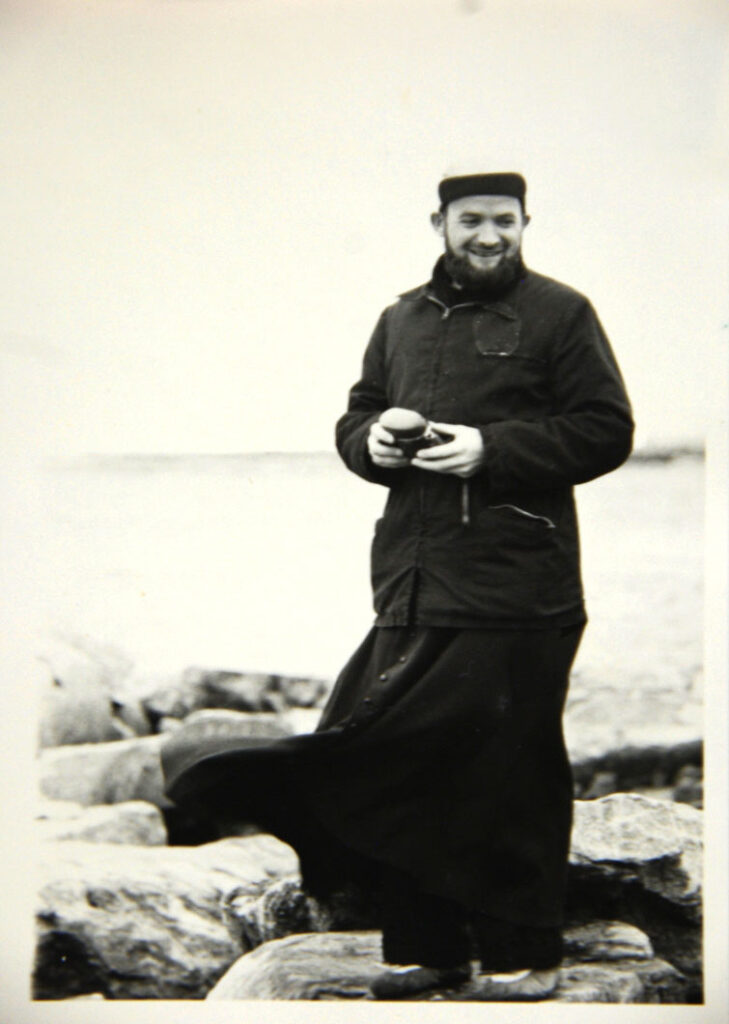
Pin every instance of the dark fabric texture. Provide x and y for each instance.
(419, 928)
(440, 754)
(533, 372)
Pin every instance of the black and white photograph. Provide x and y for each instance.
(364, 465)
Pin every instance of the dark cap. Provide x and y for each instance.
(507, 184)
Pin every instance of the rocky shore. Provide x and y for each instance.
(138, 902)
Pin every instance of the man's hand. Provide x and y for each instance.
(463, 456)
(382, 449)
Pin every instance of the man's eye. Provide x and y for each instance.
(505, 222)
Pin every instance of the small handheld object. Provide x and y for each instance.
(412, 431)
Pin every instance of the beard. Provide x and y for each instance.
(492, 281)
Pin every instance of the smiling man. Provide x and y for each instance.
(437, 784)
(482, 240)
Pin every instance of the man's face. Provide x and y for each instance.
(482, 239)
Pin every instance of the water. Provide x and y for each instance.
(260, 562)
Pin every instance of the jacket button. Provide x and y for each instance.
(402, 658)
(383, 677)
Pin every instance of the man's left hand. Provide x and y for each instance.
(463, 456)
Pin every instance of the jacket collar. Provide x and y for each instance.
(441, 289)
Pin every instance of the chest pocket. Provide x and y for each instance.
(496, 330)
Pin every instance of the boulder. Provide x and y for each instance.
(104, 773)
(75, 710)
(331, 965)
(133, 822)
(198, 688)
(640, 860)
(143, 923)
(341, 965)
(285, 909)
(658, 732)
(651, 843)
(82, 695)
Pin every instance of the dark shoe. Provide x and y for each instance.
(519, 986)
(410, 981)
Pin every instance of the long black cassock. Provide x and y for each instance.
(440, 753)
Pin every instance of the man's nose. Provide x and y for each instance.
(487, 234)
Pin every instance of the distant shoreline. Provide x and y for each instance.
(171, 460)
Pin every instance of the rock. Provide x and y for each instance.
(653, 843)
(641, 763)
(78, 658)
(143, 923)
(169, 724)
(104, 773)
(612, 958)
(341, 965)
(601, 784)
(285, 909)
(220, 722)
(300, 720)
(282, 909)
(655, 982)
(200, 688)
(75, 710)
(301, 692)
(332, 965)
(134, 822)
(689, 786)
(82, 700)
(606, 940)
(639, 860)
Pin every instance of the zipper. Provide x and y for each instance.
(528, 515)
(445, 312)
(465, 503)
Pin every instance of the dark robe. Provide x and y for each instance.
(439, 755)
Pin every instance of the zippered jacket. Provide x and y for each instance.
(534, 372)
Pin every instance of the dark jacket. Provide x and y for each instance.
(534, 372)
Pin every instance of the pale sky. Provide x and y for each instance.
(206, 203)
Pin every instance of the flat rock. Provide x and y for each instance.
(211, 722)
(142, 922)
(133, 822)
(341, 965)
(606, 941)
(104, 773)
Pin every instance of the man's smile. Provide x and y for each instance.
(485, 254)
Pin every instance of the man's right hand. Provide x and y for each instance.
(381, 446)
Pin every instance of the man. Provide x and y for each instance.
(437, 782)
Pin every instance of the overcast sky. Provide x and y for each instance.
(206, 203)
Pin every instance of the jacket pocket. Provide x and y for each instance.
(496, 331)
(533, 517)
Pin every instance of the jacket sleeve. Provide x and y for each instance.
(367, 399)
(591, 429)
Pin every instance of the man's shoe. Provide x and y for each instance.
(523, 986)
(403, 982)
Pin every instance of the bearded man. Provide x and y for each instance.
(437, 782)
